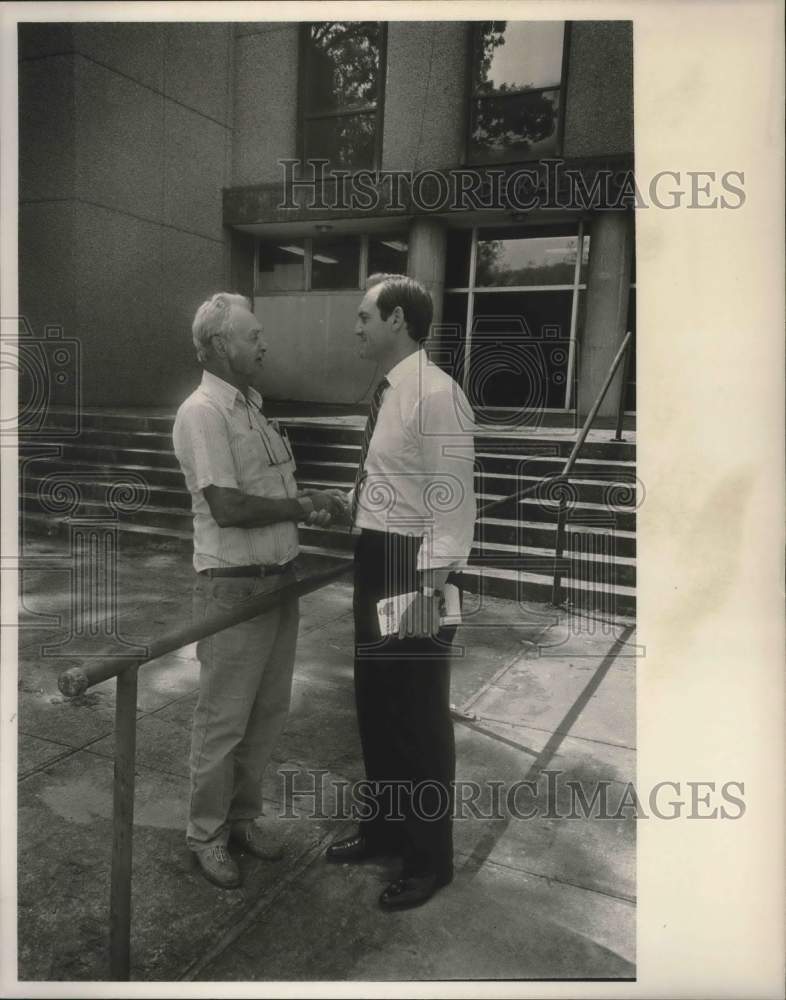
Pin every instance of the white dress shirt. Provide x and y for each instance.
(221, 439)
(419, 470)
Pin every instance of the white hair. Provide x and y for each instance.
(215, 317)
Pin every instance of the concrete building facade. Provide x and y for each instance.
(151, 175)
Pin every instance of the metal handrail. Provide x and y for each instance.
(556, 589)
(623, 396)
(76, 680)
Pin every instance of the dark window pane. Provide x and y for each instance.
(335, 263)
(514, 128)
(281, 267)
(346, 141)
(458, 252)
(342, 65)
(387, 255)
(515, 55)
(447, 341)
(519, 353)
(547, 260)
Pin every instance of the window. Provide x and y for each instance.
(327, 263)
(514, 296)
(341, 93)
(387, 256)
(281, 267)
(516, 90)
(335, 262)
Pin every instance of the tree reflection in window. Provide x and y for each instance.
(516, 90)
(341, 88)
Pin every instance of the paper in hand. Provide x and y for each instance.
(390, 609)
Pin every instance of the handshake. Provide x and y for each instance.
(329, 505)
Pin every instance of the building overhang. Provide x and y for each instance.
(461, 196)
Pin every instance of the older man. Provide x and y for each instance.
(240, 473)
(414, 506)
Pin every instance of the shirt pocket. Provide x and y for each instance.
(255, 473)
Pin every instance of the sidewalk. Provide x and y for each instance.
(533, 898)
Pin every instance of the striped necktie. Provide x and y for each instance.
(368, 433)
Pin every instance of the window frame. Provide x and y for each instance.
(303, 115)
(471, 97)
(576, 287)
(308, 251)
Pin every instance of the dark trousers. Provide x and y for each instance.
(402, 691)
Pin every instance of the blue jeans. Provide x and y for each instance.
(245, 683)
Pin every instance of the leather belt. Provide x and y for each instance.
(246, 570)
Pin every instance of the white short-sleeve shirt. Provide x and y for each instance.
(221, 438)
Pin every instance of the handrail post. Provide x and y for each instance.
(556, 587)
(76, 680)
(568, 468)
(623, 394)
(123, 825)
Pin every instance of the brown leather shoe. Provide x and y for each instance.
(253, 840)
(218, 867)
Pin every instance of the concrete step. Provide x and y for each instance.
(581, 512)
(596, 446)
(543, 533)
(167, 509)
(59, 421)
(169, 478)
(338, 429)
(534, 458)
(514, 542)
(599, 444)
(95, 487)
(593, 558)
(315, 457)
(618, 491)
(131, 453)
(533, 536)
(136, 449)
(586, 555)
(521, 586)
(343, 445)
(612, 494)
(614, 489)
(591, 596)
(151, 515)
(543, 510)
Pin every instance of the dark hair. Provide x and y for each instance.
(415, 302)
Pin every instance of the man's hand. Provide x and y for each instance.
(327, 505)
(334, 500)
(421, 619)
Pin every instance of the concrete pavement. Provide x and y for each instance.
(549, 699)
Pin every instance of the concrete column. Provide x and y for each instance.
(608, 285)
(427, 249)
